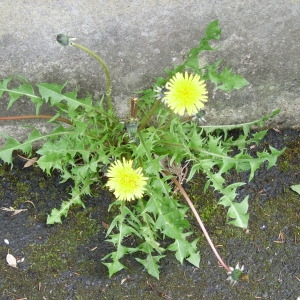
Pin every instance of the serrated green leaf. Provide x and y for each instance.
(124, 230)
(238, 213)
(195, 140)
(296, 188)
(3, 85)
(185, 250)
(150, 243)
(195, 168)
(254, 165)
(272, 157)
(22, 90)
(155, 166)
(194, 255)
(226, 80)
(151, 264)
(258, 136)
(12, 145)
(244, 126)
(49, 162)
(181, 249)
(217, 180)
(33, 137)
(227, 164)
(213, 30)
(55, 216)
(52, 93)
(194, 258)
(212, 73)
(7, 150)
(192, 60)
(229, 193)
(114, 267)
(231, 81)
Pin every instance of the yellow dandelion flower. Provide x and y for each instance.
(185, 93)
(125, 182)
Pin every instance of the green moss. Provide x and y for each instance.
(60, 251)
(206, 202)
(290, 159)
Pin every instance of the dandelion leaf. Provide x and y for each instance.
(11, 145)
(225, 80)
(296, 188)
(52, 93)
(25, 89)
(238, 213)
(114, 267)
(151, 264)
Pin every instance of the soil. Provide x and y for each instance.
(63, 261)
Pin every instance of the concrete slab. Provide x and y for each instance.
(138, 39)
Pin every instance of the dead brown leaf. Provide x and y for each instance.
(30, 162)
(281, 238)
(105, 225)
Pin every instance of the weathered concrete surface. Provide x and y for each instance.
(138, 39)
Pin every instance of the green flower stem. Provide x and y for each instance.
(35, 117)
(104, 66)
(149, 115)
(191, 205)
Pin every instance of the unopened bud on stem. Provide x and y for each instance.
(64, 40)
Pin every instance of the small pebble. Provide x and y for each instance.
(263, 226)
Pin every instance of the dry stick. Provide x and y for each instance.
(190, 203)
(35, 117)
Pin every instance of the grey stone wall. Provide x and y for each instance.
(138, 39)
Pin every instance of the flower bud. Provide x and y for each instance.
(64, 40)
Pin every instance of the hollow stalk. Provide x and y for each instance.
(105, 68)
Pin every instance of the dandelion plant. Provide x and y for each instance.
(164, 140)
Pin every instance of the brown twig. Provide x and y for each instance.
(191, 205)
(35, 117)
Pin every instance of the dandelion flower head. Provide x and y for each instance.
(186, 93)
(235, 274)
(125, 182)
